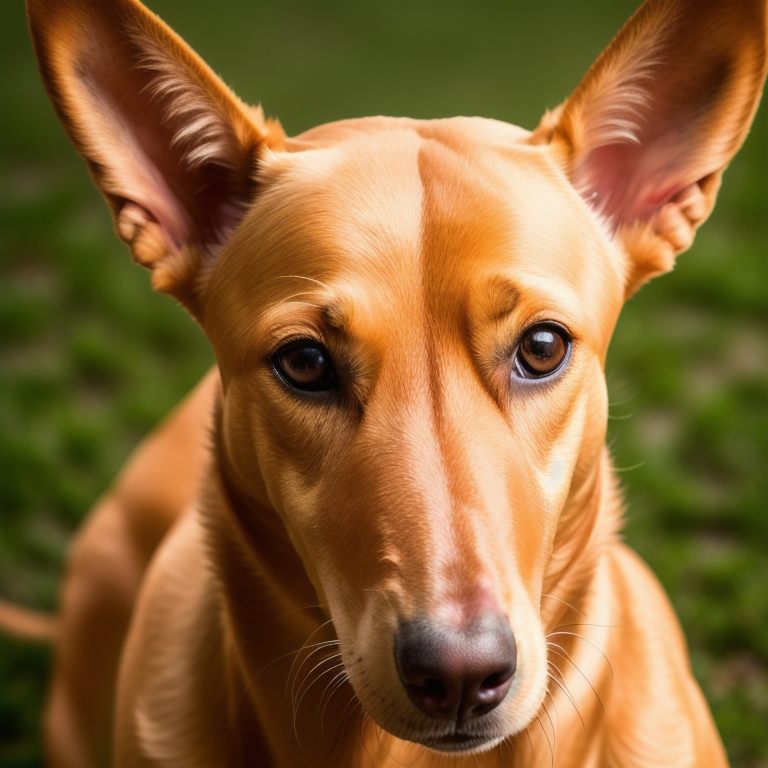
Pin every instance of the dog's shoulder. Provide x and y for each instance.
(171, 670)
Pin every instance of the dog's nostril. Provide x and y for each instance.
(434, 687)
(495, 680)
(456, 674)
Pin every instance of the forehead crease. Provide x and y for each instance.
(375, 196)
(464, 203)
(369, 193)
(506, 212)
(378, 196)
(346, 216)
(366, 190)
(465, 222)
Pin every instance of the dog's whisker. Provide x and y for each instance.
(336, 657)
(613, 404)
(319, 649)
(560, 600)
(550, 644)
(364, 722)
(530, 741)
(297, 690)
(333, 687)
(565, 656)
(312, 682)
(294, 704)
(274, 661)
(338, 679)
(377, 734)
(387, 596)
(312, 650)
(345, 595)
(576, 634)
(348, 711)
(630, 468)
(302, 303)
(343, 716)
(564, 688)
(586, 624)
(290, 671)
(377, 731)
(546, 736)
(552, 724)
(291, 300)
(301, 277)
(273, 622)
(554, 705)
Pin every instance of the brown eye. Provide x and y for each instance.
(543, 349)
(305, 365)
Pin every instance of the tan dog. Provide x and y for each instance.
(407, 520)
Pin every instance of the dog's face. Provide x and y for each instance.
(411, 320)
(412, 369)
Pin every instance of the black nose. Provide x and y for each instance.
(456, 674)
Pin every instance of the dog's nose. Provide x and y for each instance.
(456, 674)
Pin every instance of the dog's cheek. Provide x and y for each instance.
(367, 647)
(594, 424)
(530, 683)
(280, 447)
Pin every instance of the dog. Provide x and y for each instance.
(373, 533)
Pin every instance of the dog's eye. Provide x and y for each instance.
(543, 349)
(305, 365)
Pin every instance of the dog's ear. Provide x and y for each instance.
(170, 146)
(646, 135)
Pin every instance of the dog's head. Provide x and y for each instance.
(411, 320)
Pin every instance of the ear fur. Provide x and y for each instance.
(170, 146)
(647, 133)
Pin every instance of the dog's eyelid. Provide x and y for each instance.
(296, 337)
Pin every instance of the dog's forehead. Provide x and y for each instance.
(398, 207)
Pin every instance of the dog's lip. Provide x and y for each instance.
(458, 742)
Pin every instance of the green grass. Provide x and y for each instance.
(91, 359)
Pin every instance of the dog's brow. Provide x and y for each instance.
(503, 296)
(337, 312)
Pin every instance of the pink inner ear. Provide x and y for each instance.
(156, 138)
(643, 145)
(666, 105)
(630, 182)
(141, 182)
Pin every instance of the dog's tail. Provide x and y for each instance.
(28, 624)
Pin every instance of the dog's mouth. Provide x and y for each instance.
(460, 742)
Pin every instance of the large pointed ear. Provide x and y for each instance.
(170, 146)
(651, 127)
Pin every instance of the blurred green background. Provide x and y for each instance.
(91, 359)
